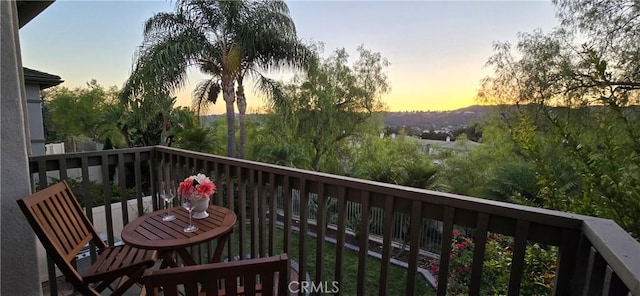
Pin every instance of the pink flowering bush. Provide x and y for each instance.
(538, 277)
(196, 187)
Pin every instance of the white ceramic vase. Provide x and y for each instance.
(200, 210)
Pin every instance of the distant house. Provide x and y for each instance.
(34, 82)
(437, 147)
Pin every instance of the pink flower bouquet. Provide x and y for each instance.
(196, 187)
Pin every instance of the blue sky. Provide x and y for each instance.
(437, 49)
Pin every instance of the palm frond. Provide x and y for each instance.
(205, 93)
(211, 61)
(272, 15)
(274, 90)
(164, 22)
(270, 87)
(208, 15)
(161, 66)
(270, 5)
(277, 53)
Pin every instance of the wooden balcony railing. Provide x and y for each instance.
(596, 256)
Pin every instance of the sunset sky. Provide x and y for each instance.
(437, 49)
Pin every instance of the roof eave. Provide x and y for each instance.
(44, 80)
(27, 10)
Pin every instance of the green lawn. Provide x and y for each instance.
(397, 275)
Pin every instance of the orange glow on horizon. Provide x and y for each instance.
(393, 102)
(430, 101)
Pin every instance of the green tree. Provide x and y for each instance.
(180, 120)
(80, 111)
(488, 171)
(285, 154)
(224, 39)
(273, 142)
(219, 129)
(398, 161)
(333, 104)
(150, 120)
(577, 108)
(201, 139)
(394, 160)
(50, 133)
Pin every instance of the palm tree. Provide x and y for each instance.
(201, 139)
(224, 39)
(276, 46)
(180, 120)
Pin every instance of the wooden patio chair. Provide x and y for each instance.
(261, 276)
(64, 229)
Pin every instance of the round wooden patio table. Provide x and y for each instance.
(150, 232)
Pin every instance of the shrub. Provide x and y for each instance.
(538, 275)
(96, 193)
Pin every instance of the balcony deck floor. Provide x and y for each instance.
(66, 289)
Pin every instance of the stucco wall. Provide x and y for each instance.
(18, 249)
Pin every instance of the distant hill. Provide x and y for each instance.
(422, 120)
(438, 120)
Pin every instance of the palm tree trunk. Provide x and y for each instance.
(124, 130)
(94, 134)
(242, 109)
(163, 133)
(229, 98)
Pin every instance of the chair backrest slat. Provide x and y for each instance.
(68, 233)
(71, 218)
(228, 273)
(72, 234)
